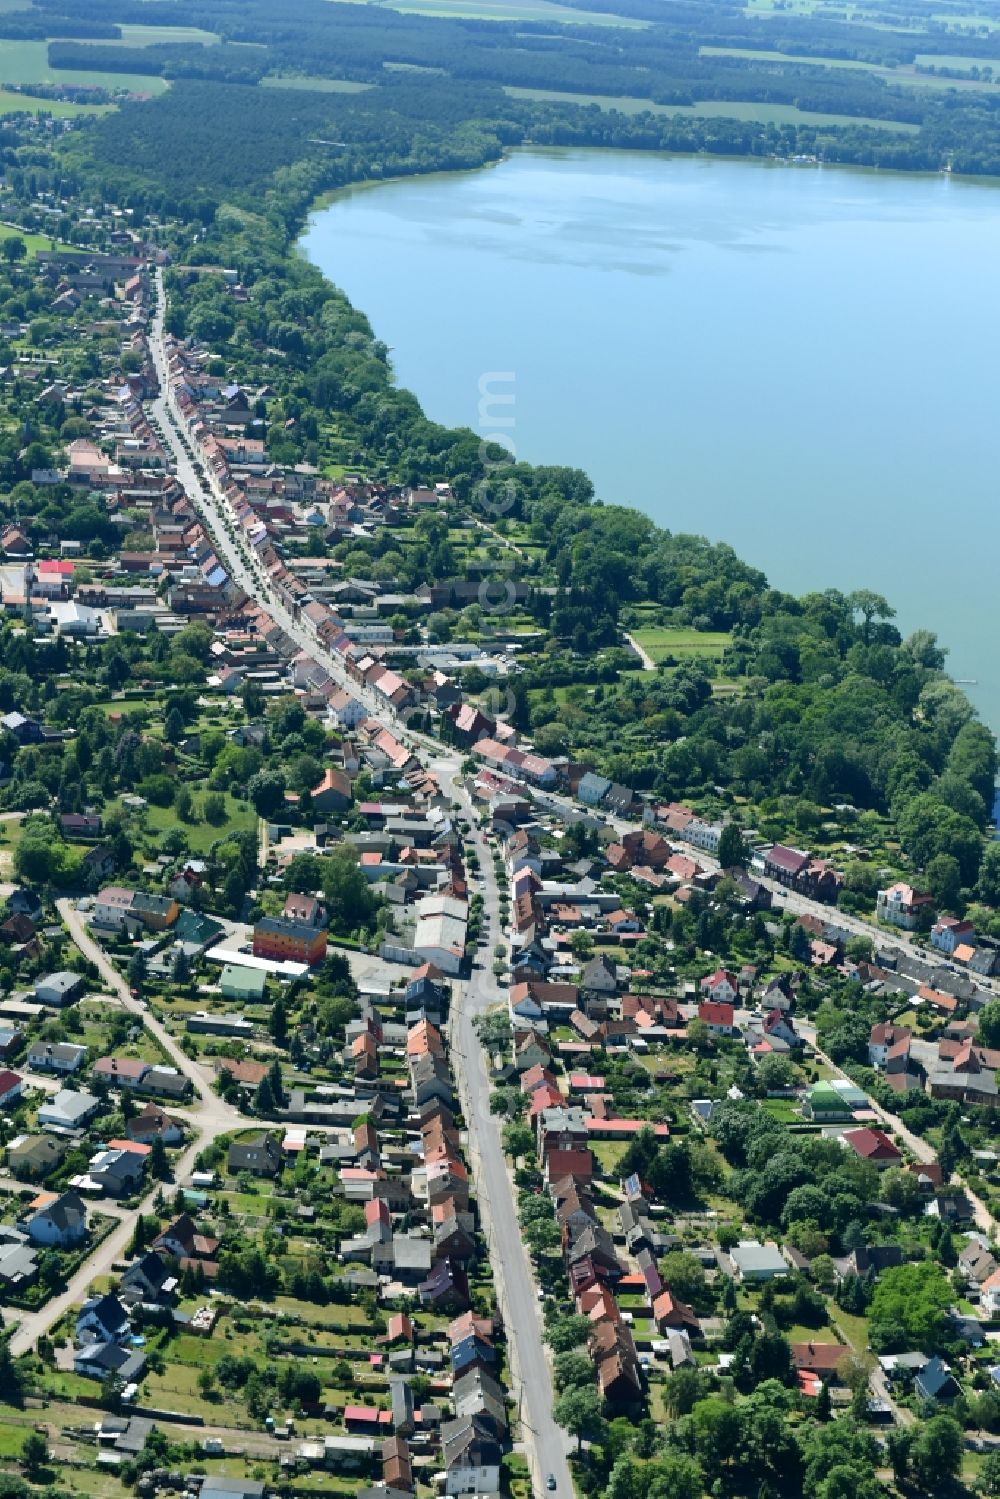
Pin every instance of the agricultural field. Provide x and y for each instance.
(151, 36)
(28, 62)
(511, 10)
(12, 102)
(713, 109)
(314, 85)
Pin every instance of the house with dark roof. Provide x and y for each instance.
(445, 1288)
(102, 1319)
(98, 1360)
(261, 1156)
(784, 864)
(61, 1223)
(55, 1056)
(472, 1456)
(149, 1279)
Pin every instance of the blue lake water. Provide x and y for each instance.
(800, 361)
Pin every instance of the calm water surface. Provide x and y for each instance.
(799, 361)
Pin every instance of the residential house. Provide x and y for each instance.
(903, 906)
(11, 1087)
(755, 1263)
(873, 1145)
(949, 933)
(68, 1110)
(717, 1016)
(333, 792)
(295, 941)
(32, 1157)
(472, 1456)
(936, 1381)
(61, 1223)
(55, 1056)
(721, 986)
(149, 1279)
(58, 989)
(261, 1156)
(887, 1039)
(102, 1319)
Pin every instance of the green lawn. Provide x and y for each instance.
(28, 62)
(33, 243)
(682, 644)
(200, 835)
(854, 1329)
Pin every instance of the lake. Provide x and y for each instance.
(797, 360)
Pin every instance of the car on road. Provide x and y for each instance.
(550, 1482)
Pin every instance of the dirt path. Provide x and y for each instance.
(648, 664)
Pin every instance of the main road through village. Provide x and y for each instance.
(544, 1441)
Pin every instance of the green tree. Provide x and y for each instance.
(564, 1333)
(34, 1453)
(732, 852)
(267, 792)
(278, 1023)
(173, 726)
(578, 1411)
(989, 1474)
(214, 808)
(944, 880)
(684, 1275)
(909, 1306)
(572, 1369)
(988, 1027)
(936, 1455)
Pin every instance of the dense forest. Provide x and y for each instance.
(663, 53)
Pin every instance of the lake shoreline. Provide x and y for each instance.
(518, 235)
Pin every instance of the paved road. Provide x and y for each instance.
(33, 1325)
(545, 1441)
(227, 534)
(212, 1106)
(208, 1117)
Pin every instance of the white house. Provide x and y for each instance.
(721, 986)
(102, 1319)
(68, 1110)
(58, 989)
(901, 905)
(472, 1456)
(346, 710)
(112, 907)
(55, 1056)
(990, 1295)
(62, 1222)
